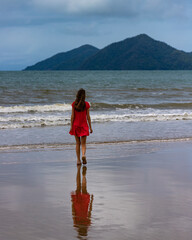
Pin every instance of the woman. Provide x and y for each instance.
(80, 124)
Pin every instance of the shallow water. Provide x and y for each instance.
(132, 194)
(32, 138)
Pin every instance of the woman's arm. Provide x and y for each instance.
(72, 117)
(89, 121)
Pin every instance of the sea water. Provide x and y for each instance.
(35, 106)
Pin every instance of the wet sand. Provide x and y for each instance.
(126, 191)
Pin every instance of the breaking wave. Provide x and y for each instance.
(36, 108)
(62, 119)
(64, 107)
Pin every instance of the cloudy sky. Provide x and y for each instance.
(32, 30)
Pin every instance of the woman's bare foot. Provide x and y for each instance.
(78, 163)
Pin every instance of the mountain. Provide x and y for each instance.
(71, 60)
(137, 53)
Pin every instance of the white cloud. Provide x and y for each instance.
(72, 6)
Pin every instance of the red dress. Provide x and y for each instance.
(80, 126)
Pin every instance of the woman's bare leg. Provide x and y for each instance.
(83, 142)
(78, 144)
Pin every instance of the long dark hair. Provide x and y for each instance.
(80, 100)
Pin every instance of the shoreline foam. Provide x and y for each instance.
(56, 146)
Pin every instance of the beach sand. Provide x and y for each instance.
(127, 191)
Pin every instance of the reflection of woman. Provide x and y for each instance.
(81, 204)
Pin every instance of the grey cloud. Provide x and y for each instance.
(126, 8)
(38, 12)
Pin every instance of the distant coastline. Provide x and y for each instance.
(137, 53)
